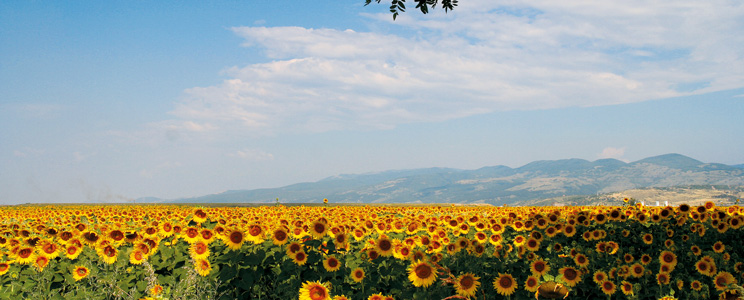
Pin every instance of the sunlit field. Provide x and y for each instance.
(327, 251)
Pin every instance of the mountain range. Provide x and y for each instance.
(494, 185)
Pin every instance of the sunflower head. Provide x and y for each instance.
(466, 284)
(505, 284)
(552, 290)
(420, 273)
(80, 272)
(357, 275)
(314, 290)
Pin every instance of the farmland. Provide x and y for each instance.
(627, 251)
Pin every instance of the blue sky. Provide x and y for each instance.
(111, 101)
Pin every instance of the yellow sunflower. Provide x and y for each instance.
(300, 258)
(570, 275)
(72, 251)
(235, 239)
(626, 288)
(599, 276)
(25, 255)
(357, 275)
(384, 246)
(198, 250)
(647, 239)
(136, 257)
(314, 290)
(467, 284)
(696, 285)
(202, 266)
(49, 249)
(199, 216)
(662, 278)
(539, 267)
(280, 237)
(41, 262)
(255, 234)
(581, 260)
(318, 229)
(722, 280)
(331, 264)
(668, 258)
(80, 272)
(532, 283)
(552, 290)
(636, 270)
(420, 273)
(704, 267)
(190, 235)
(4, 268)
(532, 244)
(718, 247)
(505, 284)
(608, 287)
(108, 254)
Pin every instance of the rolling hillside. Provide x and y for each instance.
(494, 185)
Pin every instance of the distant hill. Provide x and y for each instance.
(493, 185)
(674, 196)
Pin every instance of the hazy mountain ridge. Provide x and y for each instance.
(497, 184)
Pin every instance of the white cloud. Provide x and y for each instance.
(485, 56)
(612, 152)
(252, 155)
(28, 152)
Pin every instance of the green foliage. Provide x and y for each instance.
(398, 6)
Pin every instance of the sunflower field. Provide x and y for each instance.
(329, 251)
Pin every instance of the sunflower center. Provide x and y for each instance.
(280, 235)
(255, 230)
(466, 282)
(539, 266)
(319, 227)
(236, 237)
(317, 292)
(50, 248)
(25, 253)
(138, 255)
(117, 235)
(82, 272)
(200, 248)
(570, 274)
(721, 281)
(300, 256)
(385, 245)
(110, 252)
(668, 258)
(423, 271)
(505, 282)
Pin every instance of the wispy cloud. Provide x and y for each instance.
(612, 152)
(486, 56)
(252, 154)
